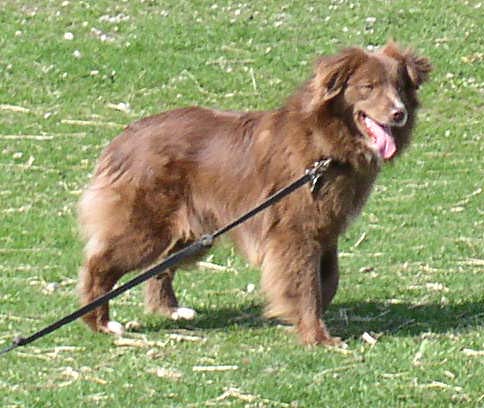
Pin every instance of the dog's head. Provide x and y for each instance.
(374, 91)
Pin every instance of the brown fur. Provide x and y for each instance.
(169, 178)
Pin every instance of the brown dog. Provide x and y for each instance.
(169, 178)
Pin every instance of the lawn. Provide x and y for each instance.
(74, 73)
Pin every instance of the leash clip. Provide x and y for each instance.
(316, 173)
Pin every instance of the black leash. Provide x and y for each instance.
(314, 175)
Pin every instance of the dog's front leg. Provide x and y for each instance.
(291, 280)
(316, 291)
(329, 276)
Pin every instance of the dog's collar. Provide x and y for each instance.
(316, 173)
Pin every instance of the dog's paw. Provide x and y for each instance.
(317, 334)
(113, 327)
(183, 313)
(334, 342)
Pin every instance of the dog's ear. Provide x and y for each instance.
(418, 68)
(331, 74)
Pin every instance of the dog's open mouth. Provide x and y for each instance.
(380, 136)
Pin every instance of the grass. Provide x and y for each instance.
(414, 282)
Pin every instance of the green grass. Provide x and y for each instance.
(422, 231)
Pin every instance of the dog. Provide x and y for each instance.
(170, 178)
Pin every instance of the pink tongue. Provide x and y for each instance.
(384, 141)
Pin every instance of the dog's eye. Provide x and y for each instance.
(366, 89)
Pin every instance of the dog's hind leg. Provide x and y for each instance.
(160, 296)
(105, 264)
(122, 235)
(96, 278)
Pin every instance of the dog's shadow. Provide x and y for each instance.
(350, 320)
(347, 320)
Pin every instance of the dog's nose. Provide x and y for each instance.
(399, 116)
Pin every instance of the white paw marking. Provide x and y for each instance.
(184, 313)
(115, 328)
